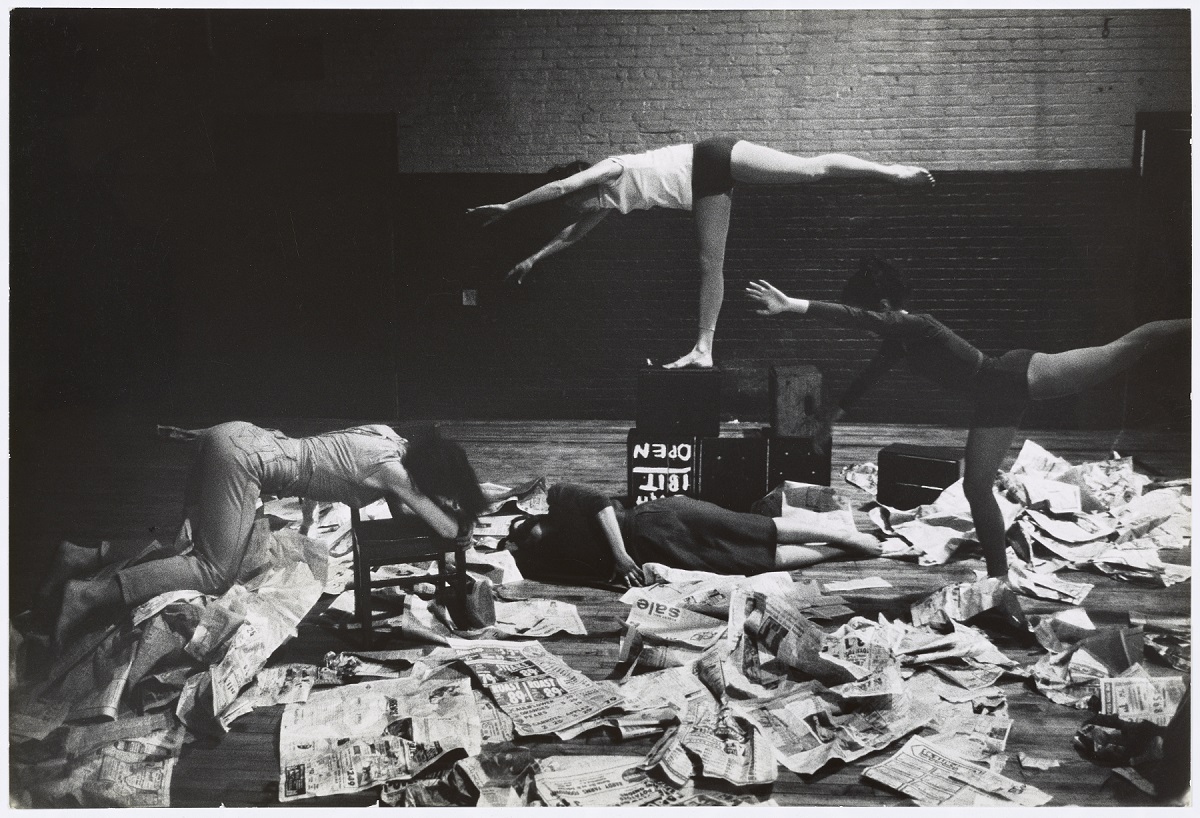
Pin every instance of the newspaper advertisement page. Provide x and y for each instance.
(1140, 698)
(933, 776)
(347, 739)
(536, 689)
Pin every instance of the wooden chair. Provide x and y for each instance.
(406, 539)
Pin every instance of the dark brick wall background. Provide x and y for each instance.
(256, 214)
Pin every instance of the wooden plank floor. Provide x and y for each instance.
(111, 478)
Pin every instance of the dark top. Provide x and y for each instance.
(577, 547)
(681, 532)
(928, 347)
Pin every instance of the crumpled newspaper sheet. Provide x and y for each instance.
(1071, 677)
(934, 532)
(714, 738)
(965, 600)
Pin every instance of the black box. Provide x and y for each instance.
(733, 471)
(660, 466)
(679, 401)
(796, 459)
(911, 475)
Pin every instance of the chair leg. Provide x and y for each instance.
(460, 580)
(362, 592)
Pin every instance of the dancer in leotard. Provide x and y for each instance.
(698, 178)
(1000, 387)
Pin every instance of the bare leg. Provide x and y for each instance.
(986, 447)
(1067, 373)
(711, 214)
(794, 557)
(760, 165)
(800, 528)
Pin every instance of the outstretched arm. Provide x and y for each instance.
(627, 571)
(597, 173)
(562, 241)
(398, 488)
(773, 300)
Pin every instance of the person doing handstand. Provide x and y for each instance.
(1000, 387)
(698, 178)
(588, 536)
(237, 462)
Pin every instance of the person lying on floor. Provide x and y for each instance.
(1000, 387)
(589, 536)
(237, 462)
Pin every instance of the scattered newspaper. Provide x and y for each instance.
(130, 771)
(347, 739)
(1047, 586)
(933, 776)
(278, 606)
(534, 688)
(809, 726)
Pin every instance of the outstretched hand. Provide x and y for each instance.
(517, 274)
(772, 299)
(491, 212)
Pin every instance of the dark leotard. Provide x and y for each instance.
(999, 386)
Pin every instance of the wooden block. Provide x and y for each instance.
(733, 471)
(679, 401)
(796, 459)
(911, 475)
(795, 395)
(660, 466)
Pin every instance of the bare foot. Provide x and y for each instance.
(695, 359)
(84, 602)
(911, 176)
(862, 545)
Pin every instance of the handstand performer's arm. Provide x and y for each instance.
(597, 173)
(562, 241)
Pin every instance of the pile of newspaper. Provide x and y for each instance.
(183, 661)
(1101, 515)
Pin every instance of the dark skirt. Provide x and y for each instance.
(686, 533)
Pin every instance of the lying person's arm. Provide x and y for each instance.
(572, 499)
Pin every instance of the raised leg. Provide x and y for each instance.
(1067, 373)
(986, 447)
(759, 165)
(711, 214)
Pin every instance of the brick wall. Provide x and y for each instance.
(198, 202)
(989, 89)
